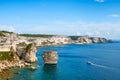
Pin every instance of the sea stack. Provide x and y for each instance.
(50, 57)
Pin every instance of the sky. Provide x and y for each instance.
(99, 18)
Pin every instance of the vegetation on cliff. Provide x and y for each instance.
(28, 47)
(5, 32)
(8, 56)
(36, 35)
(2, 33)
(22, 44)
(74, 37)
(5, 55)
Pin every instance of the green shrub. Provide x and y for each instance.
(28, 47)
(22, 44)
(36, 35)
(6, 55)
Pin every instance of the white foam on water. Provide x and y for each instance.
(102, 66)
(105, 67)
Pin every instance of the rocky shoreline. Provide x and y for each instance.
(5, 65)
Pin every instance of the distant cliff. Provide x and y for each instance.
(47, 40)
(89, 40)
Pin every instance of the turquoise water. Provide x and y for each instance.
(72, 63)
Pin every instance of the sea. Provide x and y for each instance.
(73, 63)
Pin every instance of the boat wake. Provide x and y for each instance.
(105, 67)
(90, 63)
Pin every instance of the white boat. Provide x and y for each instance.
(89, 62)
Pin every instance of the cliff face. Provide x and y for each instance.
(47, 41)
(84, 40)
(99, 40)
(59, 40)
(27, 52)
(30, 54)
(8, 37)
(88, 40)
(9, 55)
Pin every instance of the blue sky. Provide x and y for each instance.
(66, 17)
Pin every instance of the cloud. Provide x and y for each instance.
(114, 15)
(91, 28)
(101, 1)
(108, 33)
(78, 33)
(89, 33)
(97, 33)
(99, 29)
(7, 28)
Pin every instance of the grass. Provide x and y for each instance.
(6, 55)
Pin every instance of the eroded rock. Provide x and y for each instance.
(30, 55)
(50, 57)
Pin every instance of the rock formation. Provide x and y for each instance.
(30, 54)
(50, 57)
(13, 54)
(27, 52)
(4, 65)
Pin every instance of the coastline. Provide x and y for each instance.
(23, 48)
(5, 65)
